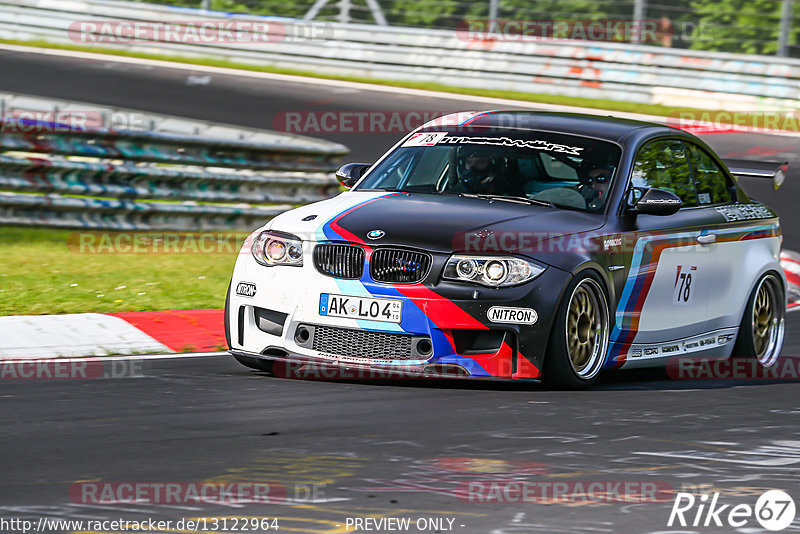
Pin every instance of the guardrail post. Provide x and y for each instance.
(639, 7)
(786, 27)
(377, 12)
(344, 11)
(494, 6)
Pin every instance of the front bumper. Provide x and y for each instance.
(450, 317)
(299, 366)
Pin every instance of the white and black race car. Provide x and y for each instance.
(519, 245)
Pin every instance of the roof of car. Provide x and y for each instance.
(610, 128)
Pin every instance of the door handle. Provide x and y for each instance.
(706, 239)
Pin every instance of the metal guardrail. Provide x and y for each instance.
(590, 69)
(114, 214)
(174, 149)
(64, 164)
(125, 180)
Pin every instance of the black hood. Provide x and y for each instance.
(449, 223)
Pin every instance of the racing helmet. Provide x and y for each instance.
(475, 163)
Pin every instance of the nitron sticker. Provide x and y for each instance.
(691, 346)
(501, 314)
(246, 289)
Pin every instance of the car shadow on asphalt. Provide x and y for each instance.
(623, 380)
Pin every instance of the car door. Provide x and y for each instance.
(744, 242)
(670, 259)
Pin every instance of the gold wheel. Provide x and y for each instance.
(587, 328)
(767, 321)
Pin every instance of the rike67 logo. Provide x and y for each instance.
(774, 510)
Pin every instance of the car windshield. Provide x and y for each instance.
(561, 170)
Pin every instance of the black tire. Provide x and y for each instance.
(762, 329)
(580, 334)
(255, 363)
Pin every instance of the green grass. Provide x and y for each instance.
(610, 105)
(44, 271)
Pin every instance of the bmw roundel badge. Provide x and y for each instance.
(376, 234)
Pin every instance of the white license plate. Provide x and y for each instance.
(386, 310)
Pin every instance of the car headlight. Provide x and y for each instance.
(492, 271)
(271, 248)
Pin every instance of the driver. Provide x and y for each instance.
(477, 170)
(595, 180)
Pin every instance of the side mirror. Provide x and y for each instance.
(657, 202)
(351, 173)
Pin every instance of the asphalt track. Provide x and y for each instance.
(390, 449)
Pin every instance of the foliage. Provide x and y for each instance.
(741, 26)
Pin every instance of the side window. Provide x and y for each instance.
(710, 181)
(663, 164)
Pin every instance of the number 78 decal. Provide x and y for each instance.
(682, 291)
(424, 139)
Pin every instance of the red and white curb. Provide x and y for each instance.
(790, 261)
(99, 334)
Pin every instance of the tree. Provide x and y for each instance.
(741, 26)
(424, 13)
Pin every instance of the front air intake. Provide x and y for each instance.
(363, 344)
(399, 266)
(339, 261)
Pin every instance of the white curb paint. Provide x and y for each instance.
(82, 334)
(133, 357)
